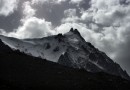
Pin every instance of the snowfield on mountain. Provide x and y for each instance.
(69, 49)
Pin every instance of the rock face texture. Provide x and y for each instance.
(69, 50)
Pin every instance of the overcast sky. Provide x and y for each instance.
(104, 23)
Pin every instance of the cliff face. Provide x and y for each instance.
(82, 54)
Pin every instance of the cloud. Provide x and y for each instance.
(76, 1)
(56, 1)
(7, 7)
(53, 11)
(106, 13)
(28, 11)
(112, 18)
(70, 12)
(48, 1)
(2, 32)
(33, 28)
(70, 16)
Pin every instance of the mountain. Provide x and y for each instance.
(69, 50)
(19, 71)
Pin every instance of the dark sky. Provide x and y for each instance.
(104, 23)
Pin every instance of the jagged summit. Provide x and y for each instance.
(74, 31)
(69, 49)
(71, 29)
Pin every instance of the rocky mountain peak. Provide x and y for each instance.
(69, 49)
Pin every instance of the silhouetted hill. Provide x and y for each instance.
(19, 71)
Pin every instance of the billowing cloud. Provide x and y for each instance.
(7, 7)
(112, 18)
(28, 11)
(33, 28)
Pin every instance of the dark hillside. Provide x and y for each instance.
(19, 71)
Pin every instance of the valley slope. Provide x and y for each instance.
(19, 71)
